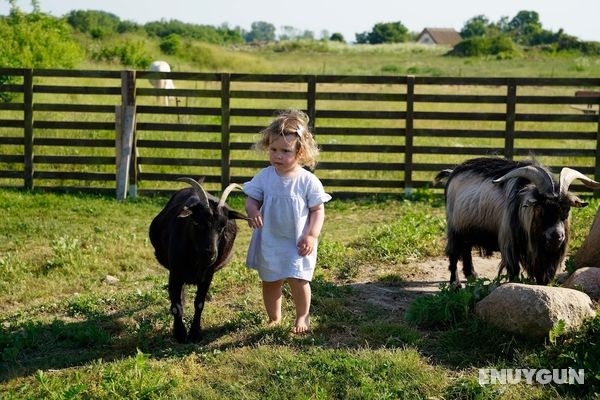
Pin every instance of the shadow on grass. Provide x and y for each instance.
(351, 316)
(63, 343)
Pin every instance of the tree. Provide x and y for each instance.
(337, 37)
(476, 26)
(261, 31)
(390, 32)
(97, 23)
(37, 40)
(525, 21)
(362, 38)
(289, 33)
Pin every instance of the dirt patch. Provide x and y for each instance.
(426, 280)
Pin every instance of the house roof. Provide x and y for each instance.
(442, 35)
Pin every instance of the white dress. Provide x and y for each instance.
(285, 207)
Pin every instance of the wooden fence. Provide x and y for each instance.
(64, 129)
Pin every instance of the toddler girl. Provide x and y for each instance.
(285, 209)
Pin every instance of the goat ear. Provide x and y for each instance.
(186, 212)
(232, 214)
(576, 202)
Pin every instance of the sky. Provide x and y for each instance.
(579, 18)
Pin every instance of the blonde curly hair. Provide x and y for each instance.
(291, 123)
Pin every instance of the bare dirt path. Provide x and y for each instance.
(429, 275)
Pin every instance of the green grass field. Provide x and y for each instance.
(65, 333)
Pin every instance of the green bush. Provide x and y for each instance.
(449, 306)
(37, 40)
(501, 46)
(171, 44)
(98, 24)
(204, 33)
(130, 54)
(578, 349)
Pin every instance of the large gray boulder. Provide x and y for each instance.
(587, 280)
(532, 310)
(588, 254)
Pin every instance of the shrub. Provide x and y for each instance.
(337, 37)
(500, 45)
(204, 33)
(449, 306)
(130, 54)
(578, 350)
(98, 24)
(171, 44)
(37, 40)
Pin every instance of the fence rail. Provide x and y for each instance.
(66, 129)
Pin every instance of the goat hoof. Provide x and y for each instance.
(195, 335)
(473, 276)
(455, 285)
(179, 333)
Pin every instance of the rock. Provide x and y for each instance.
(561, 277)
(586, 279)
(589, 253)
(110, 280)
(532, 310)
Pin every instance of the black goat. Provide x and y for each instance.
(193, 237)
(518, 208)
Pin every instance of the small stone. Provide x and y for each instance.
(110, 280)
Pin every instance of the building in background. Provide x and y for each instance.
(441, 36)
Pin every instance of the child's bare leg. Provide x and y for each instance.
(272, 300)
(301, 295)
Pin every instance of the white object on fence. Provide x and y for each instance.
(162, 66)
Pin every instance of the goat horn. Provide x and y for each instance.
(538, 176)
(226, 192)
(198, 189)
(568, 175)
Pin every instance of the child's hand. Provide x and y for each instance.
(255, 221)
(306, 245)
(254, 216)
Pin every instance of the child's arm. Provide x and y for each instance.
(253, 210)
(306, 244)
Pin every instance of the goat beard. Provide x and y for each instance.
(542, 263)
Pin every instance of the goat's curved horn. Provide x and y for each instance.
(226, 192)
(538, 176)
(568, 175)
(198, 189)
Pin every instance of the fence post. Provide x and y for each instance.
(125, 138)
(311, 102)
(28, 127)
(509, 133)
(409, 134)
(225, 130)
(597, 169)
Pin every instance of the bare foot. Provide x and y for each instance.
(301, 325)
(273, 323)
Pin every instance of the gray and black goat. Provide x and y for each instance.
(516, 207)
(193, 237)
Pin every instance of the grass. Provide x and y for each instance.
(64, 333)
